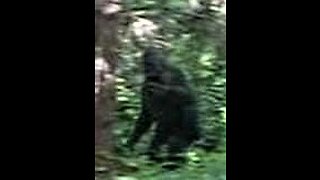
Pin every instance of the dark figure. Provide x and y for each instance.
(168, 101)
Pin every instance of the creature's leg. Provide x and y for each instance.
(176, 149)
(159, 139)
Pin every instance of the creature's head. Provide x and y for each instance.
(152, 52)
(154, 62)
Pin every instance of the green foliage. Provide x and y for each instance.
(208, 167)
(196, 44)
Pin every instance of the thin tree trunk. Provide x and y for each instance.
(106, 24)
(106, 42)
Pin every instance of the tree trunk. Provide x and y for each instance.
(106, 43)
(106, 21)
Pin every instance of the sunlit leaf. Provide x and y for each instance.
(122, 98)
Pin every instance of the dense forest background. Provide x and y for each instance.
(193, 33)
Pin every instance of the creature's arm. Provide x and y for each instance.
(143, 123)
(173, 83)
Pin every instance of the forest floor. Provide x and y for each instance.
(212, 166)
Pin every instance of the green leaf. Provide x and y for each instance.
(122, 98)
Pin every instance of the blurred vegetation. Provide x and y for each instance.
(193, 33)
